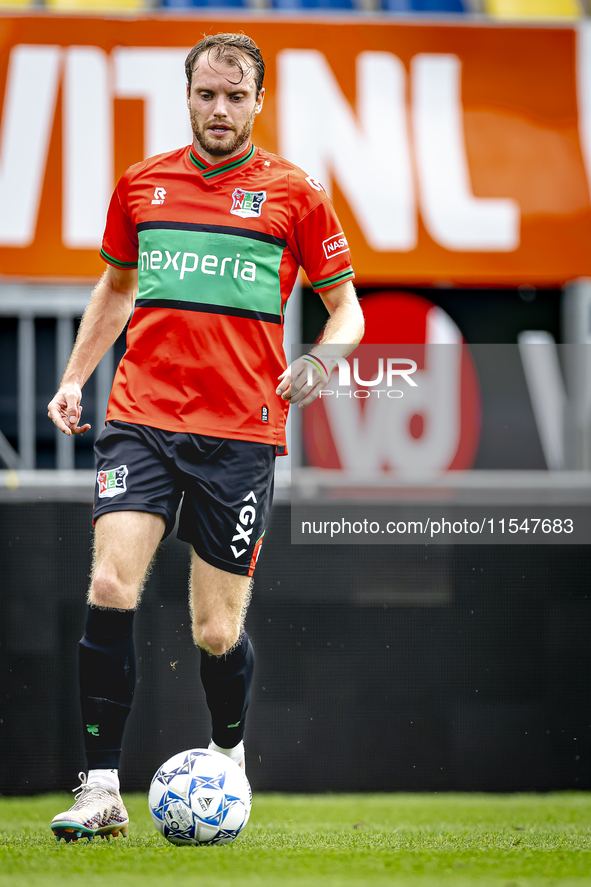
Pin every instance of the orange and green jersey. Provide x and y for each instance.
(217, 250)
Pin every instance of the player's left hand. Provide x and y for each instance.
(304, 379)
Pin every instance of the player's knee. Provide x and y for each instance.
(107, 590)
(215, 638)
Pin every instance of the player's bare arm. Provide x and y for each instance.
(342, 333)
(103, 321)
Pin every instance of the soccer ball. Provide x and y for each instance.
(200, 797)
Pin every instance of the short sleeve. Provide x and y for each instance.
(120, 243)
(319, 244)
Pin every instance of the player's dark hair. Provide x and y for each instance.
(229, 49)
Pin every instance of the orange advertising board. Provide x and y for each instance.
(454, 153)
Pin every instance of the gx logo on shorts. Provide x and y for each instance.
(247, 516)
(226, 487)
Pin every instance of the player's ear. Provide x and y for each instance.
(188, 95)
(260, 99)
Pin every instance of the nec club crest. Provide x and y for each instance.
(247, 204)
(111, 482)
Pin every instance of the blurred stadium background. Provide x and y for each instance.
(455, 138)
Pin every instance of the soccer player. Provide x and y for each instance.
(203, 244)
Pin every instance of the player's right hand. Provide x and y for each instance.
(65, 410)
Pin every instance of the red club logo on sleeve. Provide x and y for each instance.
(335, 245)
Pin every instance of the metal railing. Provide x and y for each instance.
(64, 303)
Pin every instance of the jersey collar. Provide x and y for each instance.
(211, 172)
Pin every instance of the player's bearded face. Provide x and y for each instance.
(223, 104)
(213, 144)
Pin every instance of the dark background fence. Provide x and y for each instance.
(378, 668)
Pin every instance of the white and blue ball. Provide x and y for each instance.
(200, 797)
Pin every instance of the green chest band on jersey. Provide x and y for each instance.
(210, 268)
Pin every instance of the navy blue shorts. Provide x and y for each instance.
(227, 487)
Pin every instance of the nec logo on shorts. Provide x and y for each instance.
(247, 204)
(246, 518)
(334, 246)
(111, 481)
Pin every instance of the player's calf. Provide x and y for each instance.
(227, 681)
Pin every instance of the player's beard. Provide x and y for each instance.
(213, 146)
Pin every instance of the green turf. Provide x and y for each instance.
(418, 840)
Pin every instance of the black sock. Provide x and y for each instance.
(226, 681)
(107, 682)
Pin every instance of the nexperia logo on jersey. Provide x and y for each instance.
(224, 266)
(187, 263)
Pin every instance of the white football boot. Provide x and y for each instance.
(97, 811)
(235, 754)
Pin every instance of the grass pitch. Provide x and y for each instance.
(419, 840)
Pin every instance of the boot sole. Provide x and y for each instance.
(73, 831)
